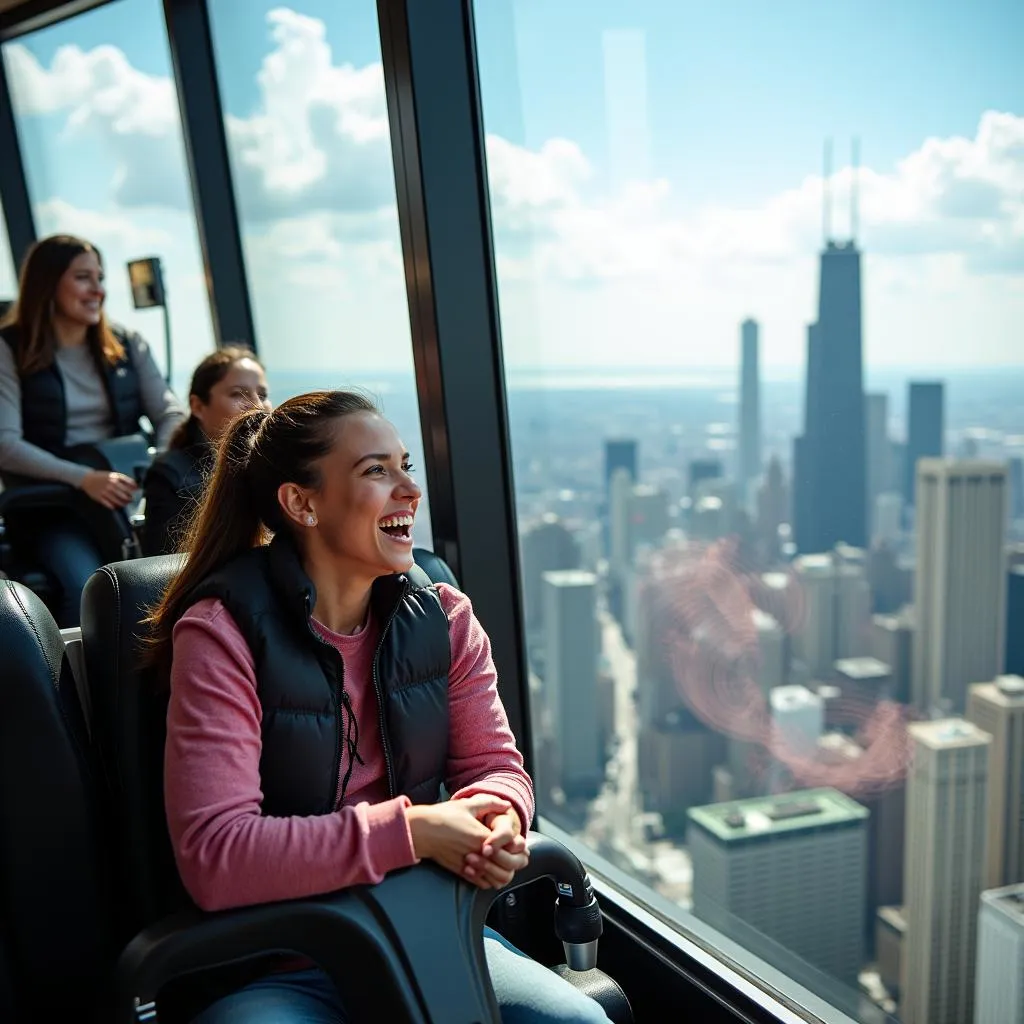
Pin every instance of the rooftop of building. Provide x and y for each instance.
(863, 668)
(776, 580)
(765, 622)
(781, 814)
(1009, 900)
(947, 465)
(947, 733)
(1006, 691)
(570, 578)
(893, 917)
(792, 696)
(903, 619)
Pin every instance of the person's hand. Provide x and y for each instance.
(502, 854)
(447, 832)
(111, 490)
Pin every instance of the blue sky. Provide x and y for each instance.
(728, 104)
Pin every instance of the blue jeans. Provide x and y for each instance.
(68, 552)
(528, 993)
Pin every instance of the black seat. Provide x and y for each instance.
(55, 934)
(434, 566)
(370, 939)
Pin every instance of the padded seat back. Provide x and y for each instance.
(129, 712)
(54, 893)
(129, 728)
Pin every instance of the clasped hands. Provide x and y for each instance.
(478, 838)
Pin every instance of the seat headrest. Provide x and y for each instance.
(434, 566)
(52, 860)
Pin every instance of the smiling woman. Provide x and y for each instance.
(69, 379)
(394, 679)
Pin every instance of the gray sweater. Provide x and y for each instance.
(89, 416)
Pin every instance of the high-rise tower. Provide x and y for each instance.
(959, 580)
(831, 485)
(750, 410)
(925, 425)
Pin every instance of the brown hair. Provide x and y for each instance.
(240, 510)
(35, 342)
(211, 371)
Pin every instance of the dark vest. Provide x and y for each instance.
(185, 470)
(44, 418)
(301, 684)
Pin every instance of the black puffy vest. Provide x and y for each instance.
(44, 413)
(300, 679)
(185, 470)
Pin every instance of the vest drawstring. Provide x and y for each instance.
(351, 741)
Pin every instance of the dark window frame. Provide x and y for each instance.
(194, 68)
(17, 202)
(437, 138)
(437, 141)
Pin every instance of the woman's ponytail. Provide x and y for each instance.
(240, 510)
(226, 522)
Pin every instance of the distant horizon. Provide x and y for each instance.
(775, 373)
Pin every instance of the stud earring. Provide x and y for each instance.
(311, 520)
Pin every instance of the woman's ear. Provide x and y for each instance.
(296, 503)
(196, 407)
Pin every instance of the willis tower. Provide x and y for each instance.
(830, 459)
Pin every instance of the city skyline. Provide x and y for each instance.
(591, 249)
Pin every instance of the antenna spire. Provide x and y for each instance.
(854, 186)
(826, 212)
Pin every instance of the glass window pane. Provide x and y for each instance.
(8, 277)
(730, 351)
(310, 147)
(97, 116)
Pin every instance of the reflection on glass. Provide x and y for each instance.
(310, 149)
(8, 277)
(768, 448)
(97, 117)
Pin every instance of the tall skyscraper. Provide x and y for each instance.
(545, 546)
(798, 720)
(925, 427)
(960, 580)
(619, 453)
(571, 648)
(1015, 620)
(831, 465)
(947, 788)
(836, 612)
(1016, 487)
(768, 860)
(879, 452)
(998, 708)
(750, 411)
(772, 511)
(892, 641)
(701, 470)
(999, 995)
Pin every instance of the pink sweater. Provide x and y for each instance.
(230, 855)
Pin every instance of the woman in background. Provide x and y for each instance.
(227, 382)
(68, 378)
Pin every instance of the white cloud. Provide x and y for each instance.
(620, 277)
(134, 116)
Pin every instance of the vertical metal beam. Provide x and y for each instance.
(437, 137)
(206, 147)
(14, 194)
